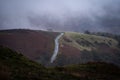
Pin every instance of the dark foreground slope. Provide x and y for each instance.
(36, 45)
(14, 66)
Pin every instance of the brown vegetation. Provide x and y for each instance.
(32, 44)
(69, 50)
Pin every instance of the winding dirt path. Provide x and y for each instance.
(56, 47)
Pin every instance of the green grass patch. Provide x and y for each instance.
(86, 41)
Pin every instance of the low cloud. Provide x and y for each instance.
(61, 15)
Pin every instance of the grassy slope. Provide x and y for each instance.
(87, 42)
(14, 66)
(81, 48)
(95, 71)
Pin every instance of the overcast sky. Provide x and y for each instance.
(62, 15)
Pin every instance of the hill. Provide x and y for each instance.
(78, 48)
(75, 48)
(36, 45)
(15, 66)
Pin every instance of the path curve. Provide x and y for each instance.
(56, 47)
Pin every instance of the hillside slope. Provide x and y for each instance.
(14, 66)
(75, 48)
(78, 48)
(36, 45)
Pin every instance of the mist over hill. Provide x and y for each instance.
(61, 15)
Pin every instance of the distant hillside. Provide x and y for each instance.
(117, 37)
(78, 48)
(35, 44)
(15, 66)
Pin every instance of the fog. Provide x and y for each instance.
(61, 15)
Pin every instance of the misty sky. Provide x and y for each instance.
(61, 15)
